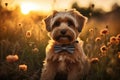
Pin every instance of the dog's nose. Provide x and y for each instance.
(63, 31)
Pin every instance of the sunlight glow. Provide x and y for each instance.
(27, 7)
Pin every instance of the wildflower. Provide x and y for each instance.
(113, 40)
(104, 32)
(15, 57)
(23, 67)
(97, 39)
(31, 44)
(19, 24)
(12, 58)
(6, 4)
(118, 39)
(35, 50)
(106, 26)
(103, 49)
(92, 6)
(118, 36)
(90, 30)
(28, 34)
(94, 60)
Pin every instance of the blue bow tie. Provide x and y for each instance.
(69, 48)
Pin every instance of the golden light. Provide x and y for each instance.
(27, 7)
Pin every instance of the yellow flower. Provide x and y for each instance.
(104, 32)
(12, 58)
(28, 34)
(23, 67)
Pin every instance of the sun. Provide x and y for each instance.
(27, 7)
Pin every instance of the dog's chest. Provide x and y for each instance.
(62, 64)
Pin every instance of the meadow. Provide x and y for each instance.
(23, 39)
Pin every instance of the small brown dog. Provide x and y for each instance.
(64, 53)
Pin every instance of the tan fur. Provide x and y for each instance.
(74, 65)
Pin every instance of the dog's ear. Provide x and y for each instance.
(80, 19)
(48, 21)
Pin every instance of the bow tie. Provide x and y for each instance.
(69, 48)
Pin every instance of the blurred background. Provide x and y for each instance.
(23, 37)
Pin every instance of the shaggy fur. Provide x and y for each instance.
(64, 28)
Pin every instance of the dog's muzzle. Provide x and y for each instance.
(63, 37)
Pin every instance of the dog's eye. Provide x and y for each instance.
(57, 23)
(70, 23)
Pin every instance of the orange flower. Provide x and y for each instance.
(28, 34)
(12, 58)
(117, 42)
(118, 36)
(94, 60)
(103, 49)
(23, 67)
(104, 32)
(118, 39)
(97, 39)
(113, 40)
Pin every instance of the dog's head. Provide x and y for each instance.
(64, 26)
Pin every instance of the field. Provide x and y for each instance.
(23, 39)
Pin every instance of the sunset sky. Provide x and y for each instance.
(47, 5)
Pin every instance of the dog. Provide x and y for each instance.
(64, 53)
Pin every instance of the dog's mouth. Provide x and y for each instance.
(63, 38)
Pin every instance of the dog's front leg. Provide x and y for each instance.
(48, 72)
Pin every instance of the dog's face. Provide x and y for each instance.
(64, 26)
